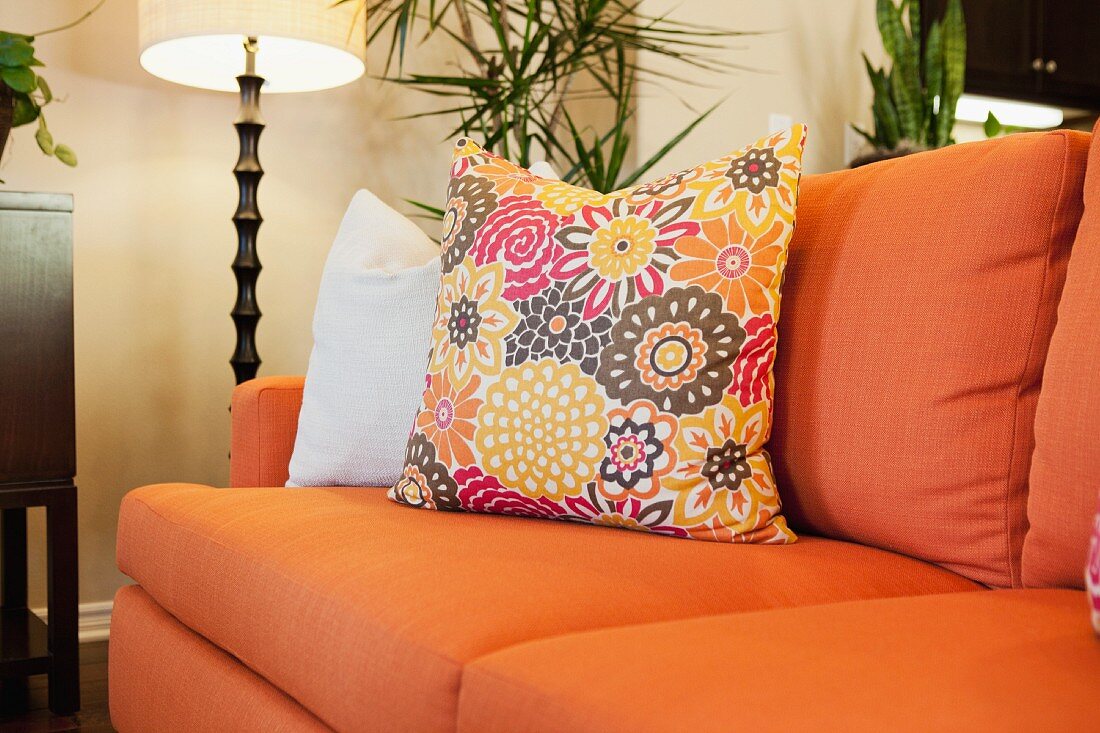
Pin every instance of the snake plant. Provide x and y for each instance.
(915, 100)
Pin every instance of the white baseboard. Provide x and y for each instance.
(94, 620)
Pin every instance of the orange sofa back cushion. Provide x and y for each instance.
(919, 302)
(1065, 469)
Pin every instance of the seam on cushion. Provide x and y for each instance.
(1014, 564)
(455, 664)
(658, 622)
(260, 439)
(522, 685)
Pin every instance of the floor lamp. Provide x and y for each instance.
(245, 46)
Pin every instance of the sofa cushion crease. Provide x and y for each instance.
(988, 661)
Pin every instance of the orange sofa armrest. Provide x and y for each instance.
(265, 423)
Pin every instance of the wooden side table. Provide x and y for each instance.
(37, 439)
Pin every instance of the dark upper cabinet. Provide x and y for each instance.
(1039, 50)
(1071, 52)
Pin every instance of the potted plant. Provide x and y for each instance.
(524, 66)
(24, 93)
(914, 101)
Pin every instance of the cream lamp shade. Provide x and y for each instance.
(303, 45)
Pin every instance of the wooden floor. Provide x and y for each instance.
(24, 711)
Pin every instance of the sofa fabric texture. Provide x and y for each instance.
(1065, 469)
(607, 357)
(920, 298)
(343, 599)
(167, 678)
(1015, 660)
(265, 420)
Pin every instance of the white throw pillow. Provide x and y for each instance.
(371, 333)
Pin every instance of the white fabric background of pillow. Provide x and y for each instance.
(371, 334)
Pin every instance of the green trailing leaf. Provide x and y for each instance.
(43, 137)
(15, 50)
(25, 111)
(29, 92)
(47, 95)
(19, 79)
(66, 155)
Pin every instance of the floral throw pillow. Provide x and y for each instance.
(1092, 571)
(608, 357)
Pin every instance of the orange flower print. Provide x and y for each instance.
(671, 356)
(507, 179)
(727, 260)
(449, 418)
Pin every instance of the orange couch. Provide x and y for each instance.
(318, 609)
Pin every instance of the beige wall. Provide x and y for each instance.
(154, 195)
(153, 242)
(809, 68)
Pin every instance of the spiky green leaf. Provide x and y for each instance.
(954, 72)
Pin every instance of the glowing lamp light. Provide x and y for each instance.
(974, 108)
(302, 45)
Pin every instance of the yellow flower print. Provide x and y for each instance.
(723, 478)
(564, 199)
(758, 185)
(622, 248)
(541, 429)
(472, 320)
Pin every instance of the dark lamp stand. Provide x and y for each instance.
(248, 172)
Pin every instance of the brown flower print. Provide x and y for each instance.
(676, 349)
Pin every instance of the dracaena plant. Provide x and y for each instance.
(24, 92)
(915, 100)
(526, 65)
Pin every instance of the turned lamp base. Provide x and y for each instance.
(246, 265)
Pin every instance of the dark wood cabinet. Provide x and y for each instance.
(1070, 52)
(37, 440)
(1038, 50)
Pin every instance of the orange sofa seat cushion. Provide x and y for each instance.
(1014, 660)
(1065, 469)
(919, 302)
(351, 603)
(163, 677)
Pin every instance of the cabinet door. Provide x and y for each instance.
(1001, 45)
(36, 338)
(1070, 33)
